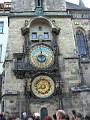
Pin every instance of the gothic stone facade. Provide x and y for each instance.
(46, 69)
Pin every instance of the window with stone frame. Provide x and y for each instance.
(3, 106)
(81, 43)
(1, 26)
(38, 3)
(0, 52)
(34, 35)
(46, 35)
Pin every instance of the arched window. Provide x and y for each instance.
(81, 43)
(38, 3)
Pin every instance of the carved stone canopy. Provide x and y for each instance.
(52, 25)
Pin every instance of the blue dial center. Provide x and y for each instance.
(41, 58)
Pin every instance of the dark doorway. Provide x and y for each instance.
(44, 112)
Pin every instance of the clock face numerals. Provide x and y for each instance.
(43, 86)
(41, 56)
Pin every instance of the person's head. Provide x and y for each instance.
(71, 115)
(74, 112)
(54, 116)
(87, 117)
(47, 118)
(24, 114)
(78, 116)
(30, 118)
(60, 115)
(6, 114)
(36, 116)
(67, 116)
(1, 115)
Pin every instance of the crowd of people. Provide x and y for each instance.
(59, 115)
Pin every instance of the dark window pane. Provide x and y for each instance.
(2, 106)
(38, 2)
(0, 51)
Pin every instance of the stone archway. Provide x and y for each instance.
(43, 112)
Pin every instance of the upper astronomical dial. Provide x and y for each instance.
(41, 56)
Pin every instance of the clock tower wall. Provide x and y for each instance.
(68, 63)
(66, 45)
(65, 40)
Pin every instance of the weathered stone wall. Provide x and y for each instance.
(68, 66)
(23, 5)
(79, 101)
(16, 40)
(86, 73)
(84, 24)
(54, 5)
(51, 105)
(15, 45)
(29, 5)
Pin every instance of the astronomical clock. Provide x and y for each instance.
(42, 58)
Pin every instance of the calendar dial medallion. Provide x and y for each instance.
(41, 56)
(43, 86)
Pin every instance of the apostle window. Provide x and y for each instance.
(81, 43)
(46, 35)
(34, 35)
